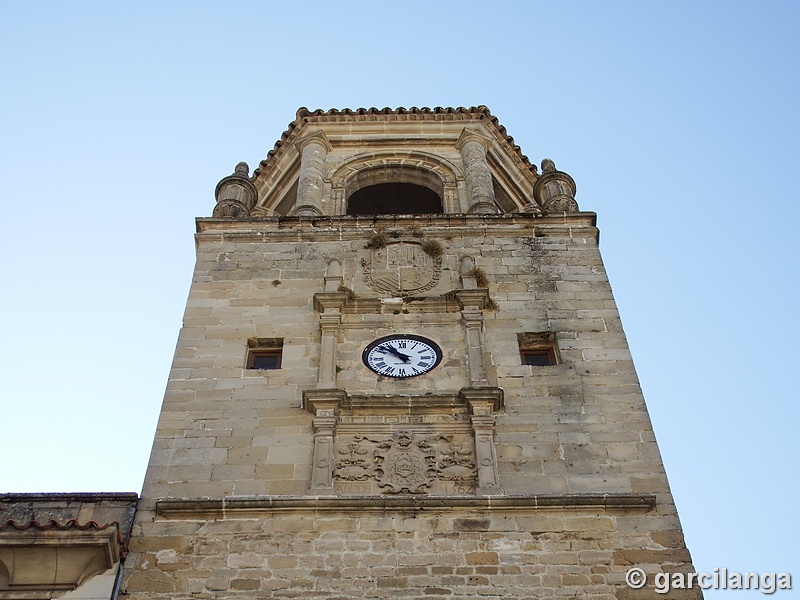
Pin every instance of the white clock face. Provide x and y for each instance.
(402, 356)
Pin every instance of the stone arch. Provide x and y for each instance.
(411, 168)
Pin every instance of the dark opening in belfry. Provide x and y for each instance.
(394, 199)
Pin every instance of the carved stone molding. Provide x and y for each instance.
(248, 507)
(40, 560)
(404, 444)
(477, 299)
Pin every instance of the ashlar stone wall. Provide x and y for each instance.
(561, 486)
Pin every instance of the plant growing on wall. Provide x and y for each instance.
(377, 241)
(432, 248)
(480, 277)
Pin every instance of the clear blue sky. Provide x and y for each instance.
(679, 122)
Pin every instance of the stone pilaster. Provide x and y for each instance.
(323, 404)
(467, 272)
(477, 176)
(329, 305)
(329, 324)
(483, 403)
(334, 276)
(450, 199)
(313, 150)
(472, 304)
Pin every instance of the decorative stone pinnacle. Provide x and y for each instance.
(236, 195)
(554, 190)
(242, 170)
(548, 166)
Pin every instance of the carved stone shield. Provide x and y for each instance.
(401, 269)
(404, 465)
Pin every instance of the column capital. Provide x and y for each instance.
(473, 135)
(318, 138)
(323, 402)
(482, 399)
(329, 301)
(477, 299)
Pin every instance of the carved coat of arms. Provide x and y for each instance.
(405, 464)
(401, 268)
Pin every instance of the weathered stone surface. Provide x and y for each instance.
(532, 481)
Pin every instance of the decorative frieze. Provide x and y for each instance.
(372, 445)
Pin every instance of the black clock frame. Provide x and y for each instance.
(402, 336)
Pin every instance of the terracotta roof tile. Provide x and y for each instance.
(71, 524)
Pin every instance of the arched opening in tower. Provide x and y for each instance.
(394, 199)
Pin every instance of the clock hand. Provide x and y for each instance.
(400, 355)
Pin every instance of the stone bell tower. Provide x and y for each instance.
(401, 373)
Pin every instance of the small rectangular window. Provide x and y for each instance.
(538, 358)
(537, 349)
(264, 353)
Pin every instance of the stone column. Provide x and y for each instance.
(313, 149)
(478, 178)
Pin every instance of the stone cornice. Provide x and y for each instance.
(40, 558)
(69, 497)
(262, 506)
(316, 401)
(344, 228)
